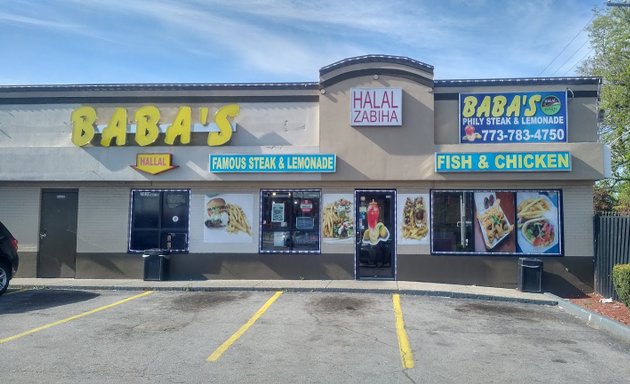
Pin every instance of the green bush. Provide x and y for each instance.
(621, 280)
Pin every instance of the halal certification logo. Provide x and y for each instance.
(550, 105)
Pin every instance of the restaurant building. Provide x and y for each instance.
(376, 171)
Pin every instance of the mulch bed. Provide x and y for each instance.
(595, 302)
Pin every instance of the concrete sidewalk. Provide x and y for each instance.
(373, 286)
(376, 286)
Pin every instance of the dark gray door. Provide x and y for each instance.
(58, 233)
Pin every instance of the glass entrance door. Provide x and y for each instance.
(376, 234)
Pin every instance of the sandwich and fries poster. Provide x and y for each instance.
(413, 219)
(228, 218)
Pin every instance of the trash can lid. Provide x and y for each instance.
(155, 252)
(530, 261)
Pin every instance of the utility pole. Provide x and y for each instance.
(618, 4)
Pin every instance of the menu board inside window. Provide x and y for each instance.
(523, 222)
(289, 221)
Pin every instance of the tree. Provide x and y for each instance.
(609, 36)
(603, 197)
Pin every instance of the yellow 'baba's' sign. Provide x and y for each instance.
(146, 126)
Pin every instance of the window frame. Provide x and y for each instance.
(516, 253)
(161, 227)
(316, 223)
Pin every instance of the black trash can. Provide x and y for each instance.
(530, 274)
(156, 264)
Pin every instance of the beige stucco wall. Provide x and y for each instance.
(588, 162)
(408, 152)
(377, 153)
(19, 212)
(578, 221)
(103, 219)
(38, 138)
(582, 111)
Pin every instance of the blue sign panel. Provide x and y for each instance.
(503, 162)
(519, 117)
(315, 163)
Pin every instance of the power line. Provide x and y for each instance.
(566, 46)
(581, 60)
(569, 59)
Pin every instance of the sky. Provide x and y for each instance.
(276, 41)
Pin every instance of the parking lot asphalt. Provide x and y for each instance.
(72, 335)
(593, 319)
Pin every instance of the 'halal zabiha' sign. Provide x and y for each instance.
(376, 107)
(513, 117)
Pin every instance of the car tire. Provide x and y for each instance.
(5, 272)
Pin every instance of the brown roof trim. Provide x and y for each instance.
(518, 81)
(376, 59)
(158, 99)
(159, 87)
(574, 94)
(381, 72)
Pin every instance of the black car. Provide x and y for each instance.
(9, 259)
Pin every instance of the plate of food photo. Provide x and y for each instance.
(414, 219)
(338, 220)
(537, 221)
(494, 224)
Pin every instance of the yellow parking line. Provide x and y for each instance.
(219, 351)
(406, 355)
(59, 322)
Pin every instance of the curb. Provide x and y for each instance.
(478, 296)
(594, 319)
(552, 301)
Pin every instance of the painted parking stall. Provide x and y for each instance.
(71, 318)
(300, 337)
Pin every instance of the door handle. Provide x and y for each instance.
(43, 235)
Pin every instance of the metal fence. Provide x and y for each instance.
(612, 247)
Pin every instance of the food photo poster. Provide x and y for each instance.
(338, 218)
(521, 222)
(494, 222)
(228, 218)
(413, 219)
(538, 221)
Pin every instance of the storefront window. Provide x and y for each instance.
(159, 219)
(497, 222)
(452, 221)
(290, 221)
